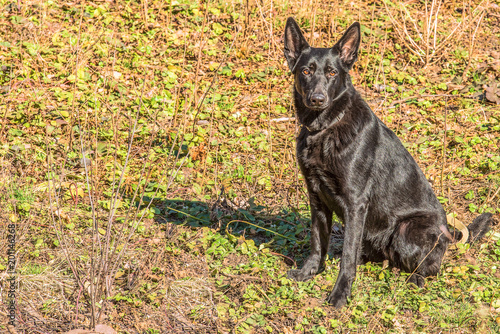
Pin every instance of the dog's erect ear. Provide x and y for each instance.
(295, 43)
(349, 44)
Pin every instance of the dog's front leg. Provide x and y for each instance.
(321, 228)
(354, 223)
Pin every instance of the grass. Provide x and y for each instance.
(147, 159)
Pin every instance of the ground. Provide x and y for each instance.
(148, 166)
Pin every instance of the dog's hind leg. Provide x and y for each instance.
(320, 238)
(418, 246)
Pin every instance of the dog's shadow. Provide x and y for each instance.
(286, 233)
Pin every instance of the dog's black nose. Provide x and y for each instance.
(317, 100)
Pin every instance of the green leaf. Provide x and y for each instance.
(244, 248)
(218, 29)
(472, 207)
(240, 73)
(442, 86)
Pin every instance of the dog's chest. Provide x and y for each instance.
(311, 151)
(316, 157)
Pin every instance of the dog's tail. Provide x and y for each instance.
(479, 227)
(469, 234)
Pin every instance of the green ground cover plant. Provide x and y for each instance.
(147, 158)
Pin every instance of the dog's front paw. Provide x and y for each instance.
(300, 275)
(337, 299)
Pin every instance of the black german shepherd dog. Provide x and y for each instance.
(355, 166)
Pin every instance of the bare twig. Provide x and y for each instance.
(419, 96)
(425, 41)
(443, 161)
(471, 46)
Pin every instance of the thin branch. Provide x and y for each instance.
(418, 96)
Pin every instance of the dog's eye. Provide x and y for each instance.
(332, 73)
(306, 71)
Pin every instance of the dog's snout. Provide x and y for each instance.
(317, 100)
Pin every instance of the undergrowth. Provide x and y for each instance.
(172, 122)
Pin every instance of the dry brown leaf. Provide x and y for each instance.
(99, 329)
